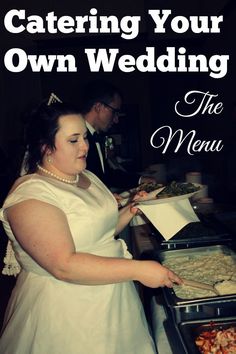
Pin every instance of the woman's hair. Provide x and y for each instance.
(41, 130)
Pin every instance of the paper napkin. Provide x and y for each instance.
(169, 217)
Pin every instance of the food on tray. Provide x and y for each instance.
(175, 188)
(226, 287)
(153, 191)
(222, 341)
(209, 269)
(148, 187)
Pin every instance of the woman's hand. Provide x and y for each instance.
(153, 275)
(134, 209)
(122, 202)
(138, 196)
(127, 212)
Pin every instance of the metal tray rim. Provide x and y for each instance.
(196, 250)
(186, 328)
(174, 301)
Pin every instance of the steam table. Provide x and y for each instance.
(145, 242)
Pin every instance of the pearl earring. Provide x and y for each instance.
(49, 159)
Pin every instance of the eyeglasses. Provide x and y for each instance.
(115, 111)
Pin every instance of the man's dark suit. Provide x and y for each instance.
(111, 178)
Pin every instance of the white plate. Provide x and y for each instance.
(149, 196)
(170, 199)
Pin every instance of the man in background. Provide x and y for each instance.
(101, 108)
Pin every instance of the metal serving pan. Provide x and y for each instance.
(190, 330)
(196, 234)
(198, 308)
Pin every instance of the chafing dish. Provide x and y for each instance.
(195, 234)
(190, 330)
(198, 308)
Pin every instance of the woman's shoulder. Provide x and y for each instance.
(31, 187)
(28, 182)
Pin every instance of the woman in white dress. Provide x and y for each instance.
(74, 292)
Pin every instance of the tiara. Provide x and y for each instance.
(53, 98)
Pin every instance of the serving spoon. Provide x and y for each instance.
(200, 285)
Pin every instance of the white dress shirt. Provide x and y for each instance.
(92, 131)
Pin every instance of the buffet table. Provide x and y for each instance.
(146, 242)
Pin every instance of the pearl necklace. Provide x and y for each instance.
(65, 180)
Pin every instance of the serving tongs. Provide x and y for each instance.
(200, 285)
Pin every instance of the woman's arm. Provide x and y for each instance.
(126, 214)
(43, 232)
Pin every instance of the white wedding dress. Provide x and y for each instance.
(49, 316)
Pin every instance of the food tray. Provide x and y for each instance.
(195, 234)
(190, 330)
(198, 308)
